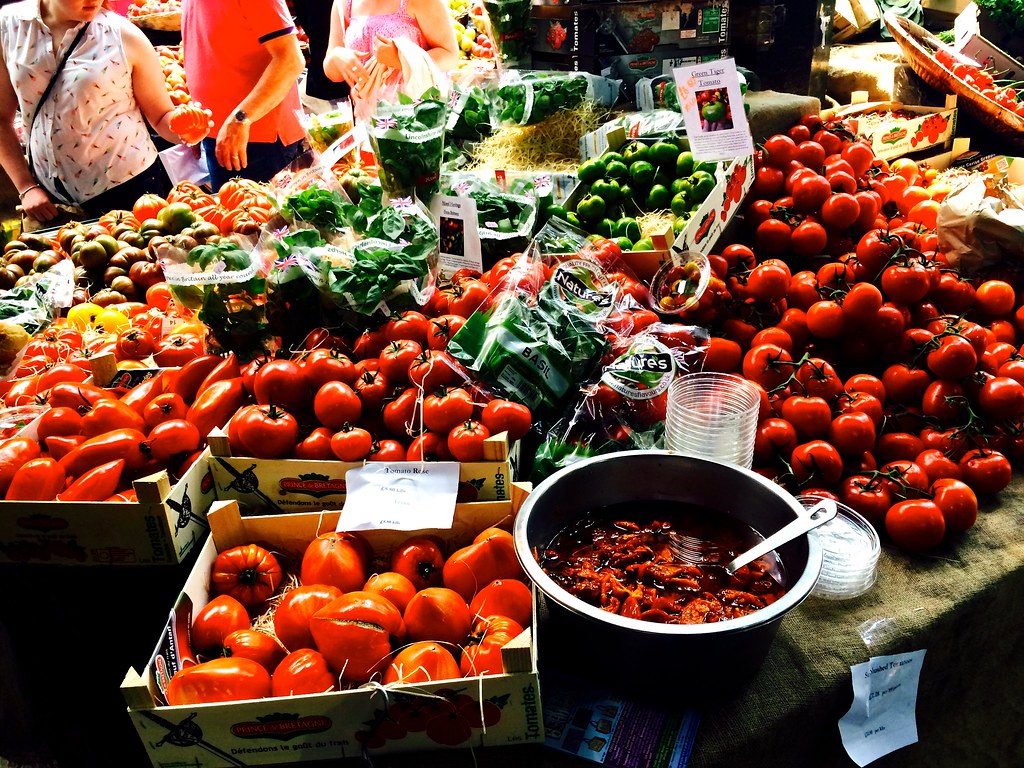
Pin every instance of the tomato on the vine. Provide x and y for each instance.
(466, 440)
(915, 524)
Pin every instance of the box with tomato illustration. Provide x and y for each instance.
(641, 28)
(162, 527)
(630, 68)
(895, 129)
(733, 180)
(275, 486)
(491, 710)
(564, 30)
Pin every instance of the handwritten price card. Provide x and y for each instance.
(882, 718)
(400, 496)
(712, 104)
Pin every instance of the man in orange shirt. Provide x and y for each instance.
(242, 61)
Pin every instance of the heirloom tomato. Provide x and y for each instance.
(249, 573)
(215, 621)
(437, 613)
(354, 634)
(302, 672)
(291, 619)
(222, 679)
(422, 662)
(338, 559)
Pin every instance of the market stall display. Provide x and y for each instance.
(510, 279)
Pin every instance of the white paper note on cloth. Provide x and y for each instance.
(882, 718)
(400, 496)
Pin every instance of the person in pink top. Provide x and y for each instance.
(365, 30)
(242, 61)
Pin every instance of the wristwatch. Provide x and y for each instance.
(241, 117)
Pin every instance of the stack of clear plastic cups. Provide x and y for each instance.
(713, 416)
(850, 548)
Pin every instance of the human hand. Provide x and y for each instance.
(385, 51)
(191, 122)
(232, 143)
(351, 64)
(37, 204)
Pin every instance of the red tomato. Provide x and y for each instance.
(354, 634)
(386, 450)
(772, 237)
(96, 484)
(134, 344)
(302, 672)
(958, 503)
(215, 621)
(766, 364)
(37, 480)
(825, 319)
(372, 387)
(506, 416)
(401, 415)
(392, 586)
(352, 443)
(954, 358)
(338, 559)
(986, 471)
(282, 383)
(266, 432)
(172, 438)
(915, 525)
(422, 662)
(257, 646)
(817, 460)
(995, 298)
(810, 416)
(1001, 397)
(774, 438)
(293, 613)
(323, 365)
(467, 296)
(223, 679)
(810, 192)
(408, 326)
(482, 656)
(817, 378)
(248, 572)
(504, 597)
(466, 441)
(430, 446)
(337, 404)
(868, 496)
(904, 384)
(442, 329)
(432, 370)
(438, 613)
(419, 559)
(852, 433)
(397, 357)
(491, 556)
(840, 210)
(445, 409)
(58, 421)
(164, 408)
(945, 401)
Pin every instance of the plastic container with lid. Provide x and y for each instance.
(850, 548)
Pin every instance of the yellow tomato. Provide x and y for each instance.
(111, 321)
(83, 316)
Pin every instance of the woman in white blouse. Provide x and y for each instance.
(89, 142)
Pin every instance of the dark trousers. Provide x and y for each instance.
(265, 160)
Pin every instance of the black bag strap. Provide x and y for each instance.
(49, 90)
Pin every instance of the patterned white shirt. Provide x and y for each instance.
(90, 132)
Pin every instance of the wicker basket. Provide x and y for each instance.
(917, 44)
(166, 22)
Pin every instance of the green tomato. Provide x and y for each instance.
(604, 227)
(641, 173)
(708, 166)
(627, 227)
(609, 190)
(624, 243)
(658, 198)
(684, 164)
(646, 244)
(680, 224)
(591, 208)
(616, 169)
(591, 170)
(556, 212)
(573, 219)
(703, 183)
(680, 205)
(663, 154)
(635, 151)
(612, 157)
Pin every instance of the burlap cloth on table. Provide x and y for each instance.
(964, 604)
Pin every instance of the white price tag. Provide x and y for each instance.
(712, 103)
(882, 717)
(400, 496)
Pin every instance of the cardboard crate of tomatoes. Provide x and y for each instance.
(301, 485)
(339, 691)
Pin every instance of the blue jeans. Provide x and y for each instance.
(265, 160)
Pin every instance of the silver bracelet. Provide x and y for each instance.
(21, 195)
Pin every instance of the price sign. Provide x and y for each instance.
(400, 496)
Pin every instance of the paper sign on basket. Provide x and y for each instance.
(882, 718)
(400, 496)
(456, 219)
(712, 104)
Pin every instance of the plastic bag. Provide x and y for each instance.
(408, 142)
(528, 97)
(325, 129)
(981, 224)
(506, 220)
(312, 197)
(29, 308)
(623, 407)
(223, 283)
(511, 30)
(653, 93)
